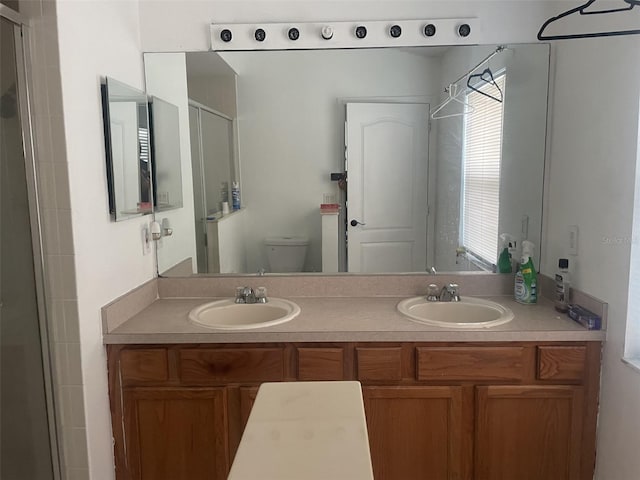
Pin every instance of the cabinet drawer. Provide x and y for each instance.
(470, 363)
(379, 364)
(561, 363)
(231, 365)
(143, 365)
(320, 364)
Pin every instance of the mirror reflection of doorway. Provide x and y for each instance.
(387, 164)
(26, 411)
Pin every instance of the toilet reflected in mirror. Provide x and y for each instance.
(286, 254)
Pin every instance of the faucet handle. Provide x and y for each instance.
(240, 296)
(432, 293)
(453, 290)
(261, 295)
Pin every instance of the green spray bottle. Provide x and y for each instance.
(526, 278)
(504, 260)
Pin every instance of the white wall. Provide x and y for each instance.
(593, 159)
(166, 78)
(217, 93)
(212, 82)
(97, 39)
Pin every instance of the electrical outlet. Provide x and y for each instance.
(573, 240)
(525, 227)
(163, 198)
(145, 235)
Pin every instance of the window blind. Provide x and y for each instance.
(143, 144)
(481, 173)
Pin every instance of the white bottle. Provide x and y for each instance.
(562, 286)
(224, 194)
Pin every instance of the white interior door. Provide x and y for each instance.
(387, 148)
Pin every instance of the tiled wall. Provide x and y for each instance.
(55, 207)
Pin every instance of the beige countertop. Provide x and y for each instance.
(305, 430)
(345, 319)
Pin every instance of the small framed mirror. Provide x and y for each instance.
(165, 151)
(128, 153)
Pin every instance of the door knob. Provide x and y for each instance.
(355, 223)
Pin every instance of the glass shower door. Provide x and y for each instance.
(25, 445)
(213, 171)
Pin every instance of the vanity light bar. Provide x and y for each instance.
(387, 33)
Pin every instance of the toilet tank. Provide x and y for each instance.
(286, 254)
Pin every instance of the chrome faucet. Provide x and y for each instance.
(449, 293)
(249, 295)
(245, 295)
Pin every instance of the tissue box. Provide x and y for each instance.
(329, 208)
(584, 317)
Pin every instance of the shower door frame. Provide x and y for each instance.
(23, 73)
(234, 164)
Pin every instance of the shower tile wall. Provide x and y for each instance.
(53, 184)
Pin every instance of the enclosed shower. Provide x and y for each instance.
(27, 442)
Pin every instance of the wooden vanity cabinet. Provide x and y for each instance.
(176, 433)
(417, 432)
(485, 411)
(528, 432)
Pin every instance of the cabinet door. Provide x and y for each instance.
(528, 432)
(176, 433)
(247, 399)
(415, 432)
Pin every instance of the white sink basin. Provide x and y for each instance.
(469, 312)
(228, 315)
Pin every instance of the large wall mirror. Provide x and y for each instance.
(304, 132)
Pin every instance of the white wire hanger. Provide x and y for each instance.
(452, 90)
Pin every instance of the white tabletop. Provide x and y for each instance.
(305, 431)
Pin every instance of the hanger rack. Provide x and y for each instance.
(583, 10)
(452, 89)
(499, 49)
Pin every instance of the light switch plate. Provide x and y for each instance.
(573, 240)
